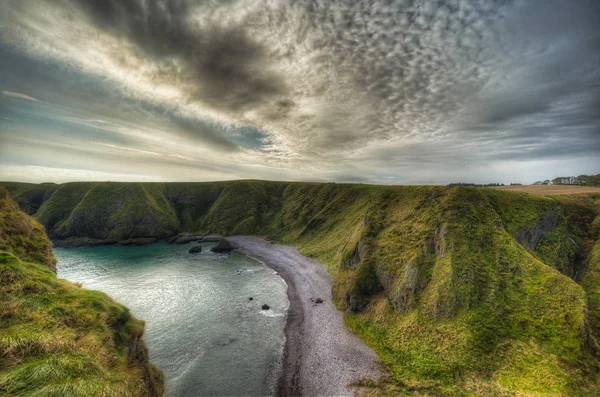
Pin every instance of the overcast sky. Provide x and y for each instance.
(389, 91)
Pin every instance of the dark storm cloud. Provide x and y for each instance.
(221, 65)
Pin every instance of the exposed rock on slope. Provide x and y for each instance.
(56, 338)
(530, 236)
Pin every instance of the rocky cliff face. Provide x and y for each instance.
(458, 289)
(55, 337)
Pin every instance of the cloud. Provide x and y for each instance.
(205, 133)
(19, 96)
(308, 88)
(220, 64)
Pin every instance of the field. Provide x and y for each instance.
(549, 190)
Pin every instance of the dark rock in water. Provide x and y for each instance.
(266, 307)
(225, 342)
(251, 298)
(195, 249)
(223, 246)
(211, 238)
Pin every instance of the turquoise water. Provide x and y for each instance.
(202, 330)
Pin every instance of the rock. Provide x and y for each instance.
(211, 238)
(81, 242)
(185, 239)
(138, 241)
(530, 236)
(319, 300)
(225, 342)
(251, 298)
(223, 246)
(195, 249)
(266, 307)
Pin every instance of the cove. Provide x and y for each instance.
(202, 330)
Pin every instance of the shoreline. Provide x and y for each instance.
(321, 357)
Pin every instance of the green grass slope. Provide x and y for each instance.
(108, 212)
(22, 236)
(57, 339)
(461, 291)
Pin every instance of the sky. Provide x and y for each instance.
(372, 91)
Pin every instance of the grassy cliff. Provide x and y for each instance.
(459, 290)
(57, 339)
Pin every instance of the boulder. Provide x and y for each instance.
(266, 307)
(211, 238)
(185, 239)
(195, 249)
(223, 246)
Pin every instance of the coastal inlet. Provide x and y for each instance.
(202, 329)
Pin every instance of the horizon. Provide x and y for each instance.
(453, 183)
(374, 92)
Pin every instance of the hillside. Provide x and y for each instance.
(57, 339)
(457, 289)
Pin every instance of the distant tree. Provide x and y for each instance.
(475, 184)
(588, 180)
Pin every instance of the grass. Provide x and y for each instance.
(57, 339)
(21, 235)
(461, 291)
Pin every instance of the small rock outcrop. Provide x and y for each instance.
(138, 241)
(223, 246)
(185, 239)
(266, 307)
(530, 236)
(196, 249)
(211, 238)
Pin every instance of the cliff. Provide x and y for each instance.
(457, 289)
(57, 339)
